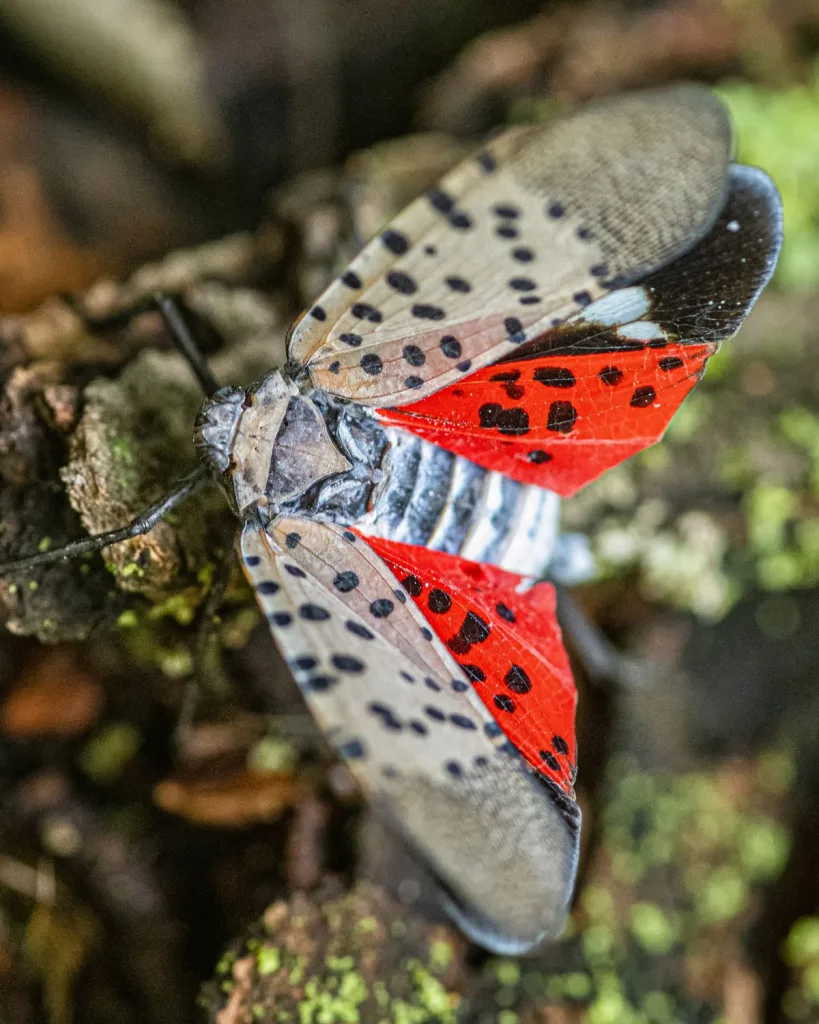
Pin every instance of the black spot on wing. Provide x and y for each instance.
(413, 585)
(395, 241)
(562, 417)
(643, 397)
(439, 601)
(364, 311)
(401, 282)
(554, 377)
(450, 346)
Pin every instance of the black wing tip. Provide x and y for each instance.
(759, 186)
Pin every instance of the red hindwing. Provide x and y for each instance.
(508, 643)
(558, 421)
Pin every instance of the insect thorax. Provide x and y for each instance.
(266, 444)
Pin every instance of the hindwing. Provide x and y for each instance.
(503, 632)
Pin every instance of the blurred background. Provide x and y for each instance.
(173, 851)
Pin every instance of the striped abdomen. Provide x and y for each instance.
(434, 499)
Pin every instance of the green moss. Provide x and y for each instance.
(296, 975)
(598, 903)
(652, 928)
(107, 754)
(130, 569)
(180, 607)
(430, 994)
(322, 1007)
(764, 850)
(659, 1007)
(339, 963)
(768, 509)
(226, 961)
(577, 985)
(122, 450)
(507, 972)
(268, 960)
(724, 895)
(353, 988)
(441, 955)
(802, 944)
(273, 754)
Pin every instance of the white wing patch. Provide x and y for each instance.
(541, 224)
(397, 707)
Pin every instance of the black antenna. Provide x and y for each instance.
(171, 311)
(143, 523)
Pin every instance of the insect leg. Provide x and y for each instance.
(170, 309)
(601, 661)
(143, 523)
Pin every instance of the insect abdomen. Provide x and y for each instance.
(441, 501)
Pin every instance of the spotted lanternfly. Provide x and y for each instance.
(533, 320)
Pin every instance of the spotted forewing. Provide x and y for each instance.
(388, 695)
(538, 225)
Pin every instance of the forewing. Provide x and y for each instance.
(506, 638)
(538, 225)
(584, 396)
(501, 842)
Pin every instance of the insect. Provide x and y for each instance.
(536, 318)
